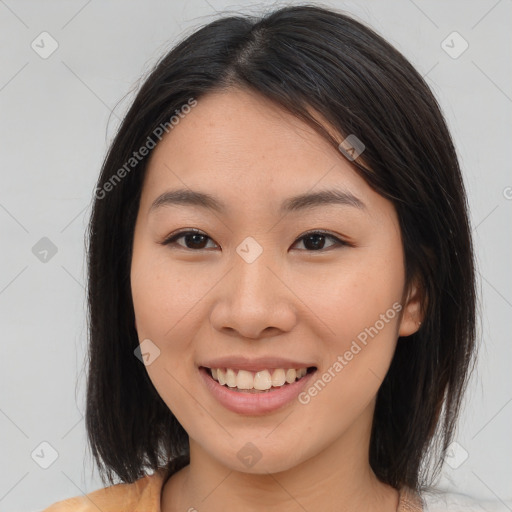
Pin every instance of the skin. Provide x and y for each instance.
(291, 301)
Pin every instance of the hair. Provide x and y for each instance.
(307, 60)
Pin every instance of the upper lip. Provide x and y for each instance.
(254, 364)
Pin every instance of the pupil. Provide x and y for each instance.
(315, 245)
(195, 241)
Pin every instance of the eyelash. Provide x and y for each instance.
(176, 236)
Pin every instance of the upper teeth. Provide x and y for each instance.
(261, 380)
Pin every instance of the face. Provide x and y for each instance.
(241, 291)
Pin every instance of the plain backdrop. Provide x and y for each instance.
(58, 113)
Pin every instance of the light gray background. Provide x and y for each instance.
(55, 126)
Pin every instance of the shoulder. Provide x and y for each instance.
(439, 500)
(144, 492)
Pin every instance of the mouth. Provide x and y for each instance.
(263, 381)
(256, 391)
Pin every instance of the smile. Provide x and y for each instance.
(265, 380)
(255, 392)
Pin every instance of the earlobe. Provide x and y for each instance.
(412, 312)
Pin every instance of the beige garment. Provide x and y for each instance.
(144, 494)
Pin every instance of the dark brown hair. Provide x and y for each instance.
(304, 58)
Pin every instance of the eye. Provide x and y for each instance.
(197, 240)
(194, 237)
(315, 240)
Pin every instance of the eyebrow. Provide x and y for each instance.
(301, 202)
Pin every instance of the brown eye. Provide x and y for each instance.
(315, 241)
(193, 240)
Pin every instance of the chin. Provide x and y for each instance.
(255, 459)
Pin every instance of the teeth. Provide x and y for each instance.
(244, 380)
(278, 377)
(260, 381)
(291, 375)
(230, 378)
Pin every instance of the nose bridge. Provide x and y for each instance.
(251, 269)
(254, 299)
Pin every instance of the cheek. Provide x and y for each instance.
(164, 314)
(163, 296)
(365, 290)
(362, 315)
(361, 307)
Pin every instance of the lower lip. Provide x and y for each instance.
(254, 403)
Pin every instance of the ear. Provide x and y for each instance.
(412, 315)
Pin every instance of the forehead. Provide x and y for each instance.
(240, 124)
(240, 146)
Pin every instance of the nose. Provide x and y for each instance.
(255, 300)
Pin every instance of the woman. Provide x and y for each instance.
(281, 278)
